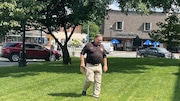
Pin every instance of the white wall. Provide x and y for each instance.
(61, 36)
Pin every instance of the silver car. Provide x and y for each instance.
(155, 52)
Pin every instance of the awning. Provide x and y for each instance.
(147, 42)
(156, 43)
(115, 41)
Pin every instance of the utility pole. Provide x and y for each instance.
(110, 32)
(41, 36)
(88, 32)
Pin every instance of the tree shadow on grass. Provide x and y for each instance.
(139, 65)
(35, 68)
(120, 65)
(65, 94)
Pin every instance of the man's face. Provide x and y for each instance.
(98, 40)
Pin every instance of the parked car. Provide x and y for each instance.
(11, 50)
(155, 52)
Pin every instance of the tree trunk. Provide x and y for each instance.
(66, 56)
(22, 58)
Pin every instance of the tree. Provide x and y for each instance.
(75, 43)
(16, 15)
(169, 32)
(93, 29)
(148, 6)
(70, 13)
(137, 42)
(6, 21)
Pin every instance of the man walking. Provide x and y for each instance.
(93, 69)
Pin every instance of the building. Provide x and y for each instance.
(37, 36)
(128, 27)
(60, 35)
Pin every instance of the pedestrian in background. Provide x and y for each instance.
(95, 55)
(51, 48)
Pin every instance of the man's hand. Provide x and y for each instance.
(105, 68)
(82, 70)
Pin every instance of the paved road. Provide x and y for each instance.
(122, 54)
(6, 62)
(128, 54)
(133, 54)
(112, 54)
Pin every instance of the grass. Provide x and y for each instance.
(128, 79)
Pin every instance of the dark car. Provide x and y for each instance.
(11, 50)
(155, 52)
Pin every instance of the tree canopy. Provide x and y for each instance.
(93, 29)
(14, 13)
(169, 32)
(147, 6)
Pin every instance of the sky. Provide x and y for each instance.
(114, 6)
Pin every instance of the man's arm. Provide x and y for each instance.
(105, 67)
(82, 65)
(82, 61)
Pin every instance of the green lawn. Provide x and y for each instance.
(128, 79)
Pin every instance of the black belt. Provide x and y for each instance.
(94, 64)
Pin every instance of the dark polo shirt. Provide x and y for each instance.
(95, 54)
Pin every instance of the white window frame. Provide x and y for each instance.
(122, 24)
(145, 27)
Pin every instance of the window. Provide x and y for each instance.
(147, 26)
(10, 44)
(29, 46)
(119, 25)
(37, 47)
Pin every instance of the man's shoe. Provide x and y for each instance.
(84, 93)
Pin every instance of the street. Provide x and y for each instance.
(6, 62)
(124, 54)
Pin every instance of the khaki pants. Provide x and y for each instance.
(93, 74)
